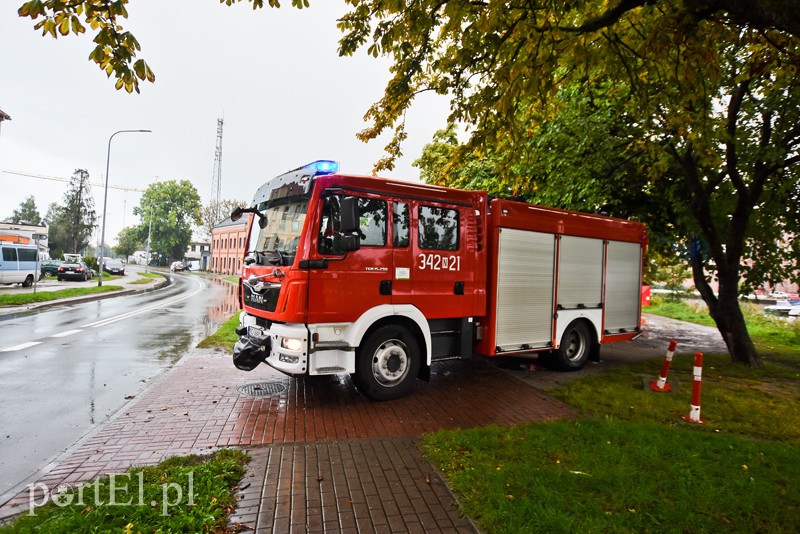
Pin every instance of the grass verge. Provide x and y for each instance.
(607, 475)
(224, 337)
(631, 464)
(181, 494)
(146, 278)
(736, 400)
(19, 299)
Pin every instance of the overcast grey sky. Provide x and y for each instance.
(286, 97)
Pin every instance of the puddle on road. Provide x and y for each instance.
(169, 347)
(227, 307)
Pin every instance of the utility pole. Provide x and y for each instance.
(216, 178)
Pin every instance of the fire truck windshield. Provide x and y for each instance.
(275, 235)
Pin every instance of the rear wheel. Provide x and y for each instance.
(28, 281)
(387, 363)
(575, 348)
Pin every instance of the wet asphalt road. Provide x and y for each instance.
(66, 369)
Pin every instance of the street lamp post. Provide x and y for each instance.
(105, 201)
(149, 229)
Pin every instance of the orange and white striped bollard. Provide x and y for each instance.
(661, 384)
(694, 411)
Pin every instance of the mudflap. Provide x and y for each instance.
(247, 354)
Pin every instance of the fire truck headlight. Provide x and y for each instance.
(295, 345)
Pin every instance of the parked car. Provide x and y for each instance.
(113, 266)
(784, 307)
(76, 270)
(177, 266)
(50, 267)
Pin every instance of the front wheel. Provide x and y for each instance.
(575, 348)
(28, 281)
(387, 363)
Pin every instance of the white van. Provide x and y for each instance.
(18, 264)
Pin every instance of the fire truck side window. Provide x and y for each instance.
(438, 228)
(373, 216)
(400, 224)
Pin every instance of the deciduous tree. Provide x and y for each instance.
(174, 207)
(128, 241)
(689, 123)
(215, 212)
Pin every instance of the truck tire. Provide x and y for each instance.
(28, 281)
(387, 363)
(576, 346)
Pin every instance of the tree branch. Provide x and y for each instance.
(732, 161)
(606, 19)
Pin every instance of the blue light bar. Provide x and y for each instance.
(323, 167)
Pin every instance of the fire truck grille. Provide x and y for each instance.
(262, 389)
(265, 301)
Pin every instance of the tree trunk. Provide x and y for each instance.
(727, 314)
(730, 322)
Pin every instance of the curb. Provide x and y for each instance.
(13, 310)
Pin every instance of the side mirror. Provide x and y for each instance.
(351, 242)
(349, 216)
(236, 214)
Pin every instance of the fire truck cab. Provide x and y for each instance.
(380, 278)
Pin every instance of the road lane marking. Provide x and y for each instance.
(67, 333)
(104, 322)
(200, 287)
(21, 347)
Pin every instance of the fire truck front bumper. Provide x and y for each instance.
(281, 346)
(249, 351)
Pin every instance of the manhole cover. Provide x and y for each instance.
(263, 389)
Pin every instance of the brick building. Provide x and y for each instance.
(227, 246)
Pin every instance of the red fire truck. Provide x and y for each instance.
(380, 278)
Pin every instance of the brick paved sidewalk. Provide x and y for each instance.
(359, 485)
(322, 420)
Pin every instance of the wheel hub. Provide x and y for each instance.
(575, 347)
(390, 362)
